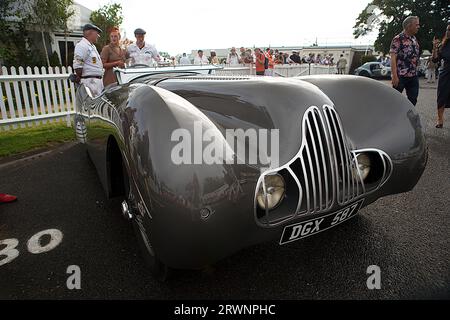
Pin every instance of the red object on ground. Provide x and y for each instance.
(7, 198)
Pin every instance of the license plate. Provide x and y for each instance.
(311, 227)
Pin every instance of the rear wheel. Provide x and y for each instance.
(131, 212)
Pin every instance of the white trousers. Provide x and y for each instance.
(95, 85)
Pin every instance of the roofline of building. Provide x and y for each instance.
(301, 47)
(80, 5)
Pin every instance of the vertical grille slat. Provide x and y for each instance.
(349, 194)
(340, 169)
(331, 153)
(306, 180)
(313, 171)
(321, 136)
(314, 142)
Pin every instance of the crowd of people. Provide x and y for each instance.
(264, 60)
(95, 69)
(248, 56)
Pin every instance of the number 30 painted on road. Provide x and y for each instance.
(9, 253)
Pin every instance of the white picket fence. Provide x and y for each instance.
(36, 96)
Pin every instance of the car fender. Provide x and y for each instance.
(186, 205)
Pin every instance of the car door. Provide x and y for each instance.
(376, 70)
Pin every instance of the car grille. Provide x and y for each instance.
(324, 167)
(324, 170)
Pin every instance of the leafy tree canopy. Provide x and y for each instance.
(388, 16)
(19, 18)
(105, 18)
(13, 40)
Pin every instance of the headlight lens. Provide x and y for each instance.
(275, 189)
(363, 162)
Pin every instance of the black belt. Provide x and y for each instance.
(87, 77)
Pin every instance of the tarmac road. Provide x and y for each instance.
(406, 235)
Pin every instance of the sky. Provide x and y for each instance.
(178, 26)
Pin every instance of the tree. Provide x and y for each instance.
(105, 18)
(48, 15)
(164, 54)
(66, 12)
(388, 16)
(368, 58)
(15, 44)
(7, 47)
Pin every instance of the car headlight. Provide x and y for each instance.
(275, 190)
(363, 163)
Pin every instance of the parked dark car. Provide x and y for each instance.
(375, 70)
(339, 150)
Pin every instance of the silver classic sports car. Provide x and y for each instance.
(375, 70)
(207, 165)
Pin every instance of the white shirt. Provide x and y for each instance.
(144, 55)
(233, 59)
(87, 57)
(202, 60)
(289, 60)
(185, 60)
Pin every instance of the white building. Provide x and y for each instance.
(77, 21)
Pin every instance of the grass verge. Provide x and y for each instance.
(20, 140)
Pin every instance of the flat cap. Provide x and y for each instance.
(139, 31)
(90, 26)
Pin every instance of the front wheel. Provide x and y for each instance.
(130, 211)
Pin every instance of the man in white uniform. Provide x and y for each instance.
(200, 59)
(87, 62)
(142, 52)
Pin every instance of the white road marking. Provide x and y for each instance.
(9, 252)
(34, 245)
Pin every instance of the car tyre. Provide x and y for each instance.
(158, 269)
